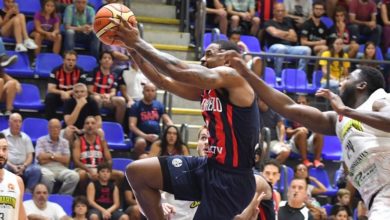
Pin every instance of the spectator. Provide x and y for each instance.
(341, 213)
(80, 208)
(343, 200)
(89, 150)
(4, 59)
(314, 32)
(53, 155)
(20, 157)
(103, 196)
(203, 141)
(271, 172)
(77, 109)
(281, 38)
(369, 54)
(242, 13)
(216, 14)
(343, 31)
(170, 144)
(144, 120)
(303, 140)
(298, 10)
(294, 208)
(275, 123)
(131, 82)
(47, 27)
(8, 89)
(362, 16)
(332, 5)
(40, 208)
(102, 87)
(121, 58)
(300, 171)
(385, 14)
(253, 63)
(61, 82)
(13, 24)
(338, 69)
(78, 20)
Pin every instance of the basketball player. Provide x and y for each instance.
(11, 188)
(223, 182)
(361, 119)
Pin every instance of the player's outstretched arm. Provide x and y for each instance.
(181, 89)
(306, 115)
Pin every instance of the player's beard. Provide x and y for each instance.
(3, 163)
(348, 96)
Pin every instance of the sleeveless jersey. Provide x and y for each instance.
(104, 194)
(91, 154)
(234, 131)
(9, 196)
(366, 151)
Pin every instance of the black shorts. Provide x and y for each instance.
(222, 192)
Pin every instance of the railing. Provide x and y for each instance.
(184, 133)
(167, 102)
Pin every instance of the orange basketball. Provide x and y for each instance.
(102, 21)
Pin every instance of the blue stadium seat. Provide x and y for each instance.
(294, 80)
(252, 43)
(332, 148)
(29, 99)
(29, 7)
(3, 122)
(323, 177)
(316, 81)
(327, 21)
(22, 66)
(87, 62)
(45, 63)
(96, 4)
(65, 201)
(208, 38)
(35, 128)
(328, 208)
(120, 163)
(290, 176)
(27, 196)
(270, 78)
(113, 132)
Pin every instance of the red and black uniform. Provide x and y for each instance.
(91, 155)
(102, 84)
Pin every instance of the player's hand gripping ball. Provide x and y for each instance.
(103, 23)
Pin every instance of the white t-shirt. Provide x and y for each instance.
(53, 211)
(185, 210)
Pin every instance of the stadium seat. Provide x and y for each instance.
(120, 163)
(65, 201)
(323, 177)
(96, 4)
(280, 186)
(332, 148)
(35, 128)
(29, 7)
(27, 196)
(252, 43)
(29, 99)
(328, 208)
(208, 38)
(270, 78)
(327, 21)
(3, 122)
(87, 62)
(114, 135)
(316, 81)
(22, 66)
(45, 63)
(294, 80)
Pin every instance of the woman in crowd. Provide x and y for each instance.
(170, 144)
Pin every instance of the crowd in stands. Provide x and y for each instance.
(74, 158)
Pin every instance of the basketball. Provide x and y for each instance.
(102, 21)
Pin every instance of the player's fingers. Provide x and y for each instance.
(124, 22)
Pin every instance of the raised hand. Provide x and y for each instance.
(125, 32)
(335, 100)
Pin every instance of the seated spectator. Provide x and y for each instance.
(102, 87)
(131, 82)
(20, 156)
(343, 201)
(90, 150)
(338, 70)
(144, 120)
(40, 208)
(78, 20)
(362, 16)
(103, 196)
(53, 155)
(385, 15)
(314, 32)
(121, 58)
(76, 110)
(294, 207)
(271, 172)
(341, 213)
(203, 141)
(216, 14)
(242, 13)
(60, 5)
(302, 140)
(298, 10)
(8, 89)
(169, 144)
(275, 123)
(80, 208)
(282, 38)
(343, 31)
(61, 82)
(47, 27)
(13, 24)
(6, 60)
(369, 54)
(253, 63)
(314, 186)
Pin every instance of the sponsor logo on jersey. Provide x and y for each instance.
(349, 125)
(211, 104)
(8, 200)
(177, 162)
(194, 204)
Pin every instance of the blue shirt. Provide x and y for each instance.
(148, 116)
